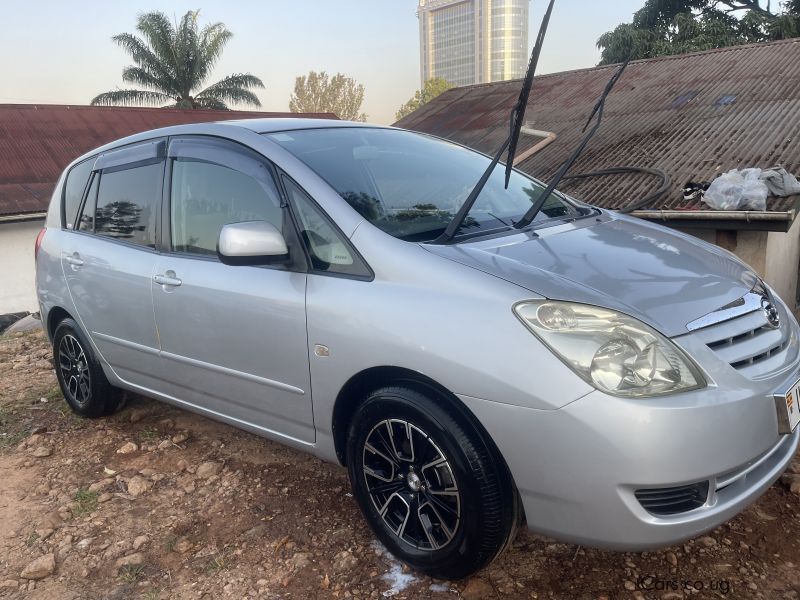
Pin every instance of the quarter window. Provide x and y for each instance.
(206, 196)
(74, 186)
(326, 247)
(127, 204)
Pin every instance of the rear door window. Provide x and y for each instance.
(74, 186)
(128, 201)
(86, 222)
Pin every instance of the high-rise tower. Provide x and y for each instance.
(473, 41)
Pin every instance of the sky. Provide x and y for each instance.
(60, 52)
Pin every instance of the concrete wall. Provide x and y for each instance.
(17, 287)
(774, 256)
(783, 261)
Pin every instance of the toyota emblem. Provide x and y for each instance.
(771, 313)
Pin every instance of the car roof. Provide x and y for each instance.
(264, 125)
(289, 124)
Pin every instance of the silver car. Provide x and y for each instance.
(610, 382)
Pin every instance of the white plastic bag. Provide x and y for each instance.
(738, 190)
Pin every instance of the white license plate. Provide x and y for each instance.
(788, 410)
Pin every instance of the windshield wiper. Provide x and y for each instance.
(529, 216)
(518, 113)
(515, 126)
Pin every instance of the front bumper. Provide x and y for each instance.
(577, 468)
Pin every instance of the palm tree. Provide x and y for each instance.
(172, 62)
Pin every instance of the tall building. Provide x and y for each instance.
(473, 41)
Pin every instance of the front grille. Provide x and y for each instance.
(748, 343)
(663, 502)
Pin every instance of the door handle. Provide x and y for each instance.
(74, 259)
(167, 279)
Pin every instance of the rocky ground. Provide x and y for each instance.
(155, 502)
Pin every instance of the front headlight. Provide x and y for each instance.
(611, 351)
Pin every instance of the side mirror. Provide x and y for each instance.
(251, 243)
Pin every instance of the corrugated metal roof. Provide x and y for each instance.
(38, 141)
(694, 116)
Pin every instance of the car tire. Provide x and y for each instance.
(80, 375)
(431, 485)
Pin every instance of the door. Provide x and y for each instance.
(109, 260)
(233, 338)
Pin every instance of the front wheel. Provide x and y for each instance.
(432, 488)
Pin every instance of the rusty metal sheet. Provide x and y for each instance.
(694, 116)
(38, 141)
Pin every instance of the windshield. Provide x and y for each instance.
(411, 185)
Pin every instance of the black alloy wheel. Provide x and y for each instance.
(74, 370)
(411, 484)
(430, 481)
(80, 374)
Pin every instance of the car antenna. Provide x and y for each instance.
(529, 216)
(516, 120)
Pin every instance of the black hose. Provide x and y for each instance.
(662, 189)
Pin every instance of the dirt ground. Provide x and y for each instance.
(155, 502)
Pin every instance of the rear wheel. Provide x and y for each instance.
(430, 485)
(80, 375)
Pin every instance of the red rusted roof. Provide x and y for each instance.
(694, 116)
(38, 141)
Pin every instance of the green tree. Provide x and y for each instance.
(664, 27)
(431, 89)
(173, 61)
(318, 92)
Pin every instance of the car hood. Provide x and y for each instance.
(665, 278)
